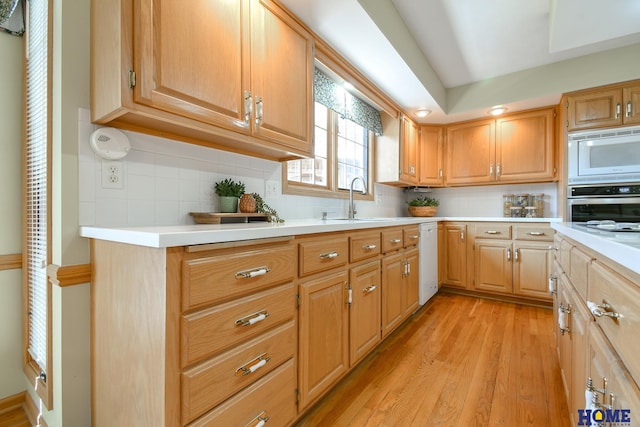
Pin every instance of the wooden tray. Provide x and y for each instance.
(225, 218)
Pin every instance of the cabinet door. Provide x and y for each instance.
(441, 255)
(493, 261)
(430, 149)
(470, 153)
(408, 151)
(455, 267)
(412, 282)
(191, 60)
(393, 269)
(580, 320)
(525, 147)
(364, 312)
(631, 107)
(531, 269)
(595, 109)
(324, 334)
(281, 77)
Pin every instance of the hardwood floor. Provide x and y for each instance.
(460, 361)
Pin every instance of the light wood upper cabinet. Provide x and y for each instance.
(604, 107)
(397, 151)
(409, 151)
(232, 75)
(431, 156)
(516, 148)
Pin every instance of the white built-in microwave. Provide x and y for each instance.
(604, 156)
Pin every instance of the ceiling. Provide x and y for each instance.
(458, 58)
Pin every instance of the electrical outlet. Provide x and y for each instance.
(271, 188)
(112, 174)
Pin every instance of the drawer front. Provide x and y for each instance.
(493, 231)
(364, 245)
(579, 271)
(272, 396)
(392, 240)
(540, 232)
(209, 384)
(321, 255)
(210, 331)
(411, 236)
(623, 297)
(227, 276)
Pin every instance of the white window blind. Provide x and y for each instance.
(36, 178)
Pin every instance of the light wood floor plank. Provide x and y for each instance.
(459, 361)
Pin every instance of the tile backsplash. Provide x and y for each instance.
(164, 180)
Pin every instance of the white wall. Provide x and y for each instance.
(11, 378)
(164, 180)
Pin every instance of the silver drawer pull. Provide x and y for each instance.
(258, 421)
(600, 310)
(329, 255)
(492, 232)
(369, 289)
(535, 233)
(253, 366)
(253, 318)
(369, 247)
(414, 236)
(254, 272)
(395, 240)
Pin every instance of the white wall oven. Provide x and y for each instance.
(616, 202)
(604, 156)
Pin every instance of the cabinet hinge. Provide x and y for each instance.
(132, 79)
(298, 301)
(297, 395)
(566, 103)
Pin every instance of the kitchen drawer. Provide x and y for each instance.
(411, 236)
(539, 232)
(364, 245)
(273, 396)
(392, 240)
(493, 231)
(210, 383)
(580, 271)
(214, 329)
(324, 254)
(623, 297)
(226, 275)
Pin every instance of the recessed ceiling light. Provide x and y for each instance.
(496, 111)
(423, 113)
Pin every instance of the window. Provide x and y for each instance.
(344, 134)
(37, 155)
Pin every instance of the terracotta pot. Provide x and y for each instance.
(247, 204)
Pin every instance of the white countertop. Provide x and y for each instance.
(196, 234)
(621, 247)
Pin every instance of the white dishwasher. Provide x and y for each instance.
(428, 261)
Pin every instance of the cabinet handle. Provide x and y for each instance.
(628, 108)
(259, 110)
(553, 280)
(369, 247)
(440, 173)
(516, 254)
(492, 232)
(508, 254)
(553, 248)
(248, 106)
(252, 318)
(462, 235)
(369, 289)
(618, 110)
(349, 295)
(414, 236)
(603, 391)
(252, 366)
(408, 268)
(491, 169)
(497, 169)
(395, 240)
(253, 272)
(329, 255)
(535, 233)
(258, 421)
(600, 310)
(563, 310)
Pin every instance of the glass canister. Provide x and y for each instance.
(531, 212)
(516, 211)
(507, 202)
(521, 200)
(538, 202)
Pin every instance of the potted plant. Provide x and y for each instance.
(423, 206)
(229, 192)
(262, 207)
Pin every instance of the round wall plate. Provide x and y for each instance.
(110, 143)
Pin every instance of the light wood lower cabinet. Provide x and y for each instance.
(455, 264)
(364, 310)
(400, 281)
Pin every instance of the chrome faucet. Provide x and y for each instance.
(352, 206)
